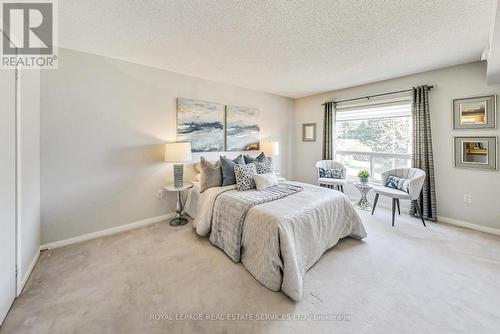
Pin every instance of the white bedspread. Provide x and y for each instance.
(193, 196)
(282, 239)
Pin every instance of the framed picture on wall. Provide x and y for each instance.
(476, 152)
(242, 129)
(475, 112)
(200, 123)
(309, 132)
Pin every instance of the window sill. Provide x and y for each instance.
(352, 179)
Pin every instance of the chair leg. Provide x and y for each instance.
(393, 210)
(342, 188)
(399, 210)
(375, 203)
(419, 212)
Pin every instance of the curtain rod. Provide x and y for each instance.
(376, 95)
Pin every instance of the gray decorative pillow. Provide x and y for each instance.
(197, 166)
(333, 173)
(227, 166)
(260, 158)
(239, 160)
(398, 183)
(211, 174)
(244, 176)
(264, 167)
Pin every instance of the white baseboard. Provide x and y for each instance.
(106, 232)
(27, 275)
(468, 225)
(445, 220)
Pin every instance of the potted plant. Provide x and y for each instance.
(363, 175)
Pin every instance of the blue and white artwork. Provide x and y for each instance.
(201, 123)
(242, 129)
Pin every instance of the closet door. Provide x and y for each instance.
(7, 190)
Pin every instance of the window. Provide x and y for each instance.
(374, 137)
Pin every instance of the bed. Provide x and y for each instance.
(276, 240)
(193, 196)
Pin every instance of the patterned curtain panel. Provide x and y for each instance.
(327, 131)
(422, 151)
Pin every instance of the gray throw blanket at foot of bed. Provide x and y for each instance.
(230, 211)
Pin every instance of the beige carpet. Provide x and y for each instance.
(407, 279)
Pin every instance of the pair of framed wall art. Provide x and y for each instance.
(475, 152)
(213, 127)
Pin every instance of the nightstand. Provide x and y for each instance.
(179, 219)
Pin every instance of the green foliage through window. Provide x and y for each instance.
(382, 143)
(387, 135)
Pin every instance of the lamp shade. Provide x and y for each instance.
(178, 152)
(271, 148)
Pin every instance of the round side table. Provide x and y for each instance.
(363, 188)
(179, 219)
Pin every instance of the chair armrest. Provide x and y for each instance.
(415, 186)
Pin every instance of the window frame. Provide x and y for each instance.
(373, 155)
(370, 154)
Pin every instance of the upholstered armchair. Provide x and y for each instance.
(331, 182)
(415, 177)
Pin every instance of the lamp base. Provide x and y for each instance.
(178, 221)
(178, 175)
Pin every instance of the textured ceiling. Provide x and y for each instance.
(290, 48)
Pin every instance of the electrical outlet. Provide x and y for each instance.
(467, 198)
(160, 194)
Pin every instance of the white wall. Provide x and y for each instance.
(7, 191)
(103, 122)
(29, 171)
(451, 183)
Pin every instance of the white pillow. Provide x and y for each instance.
(264, 181)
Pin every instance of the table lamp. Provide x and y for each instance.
(177, 153)
(271, 149)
